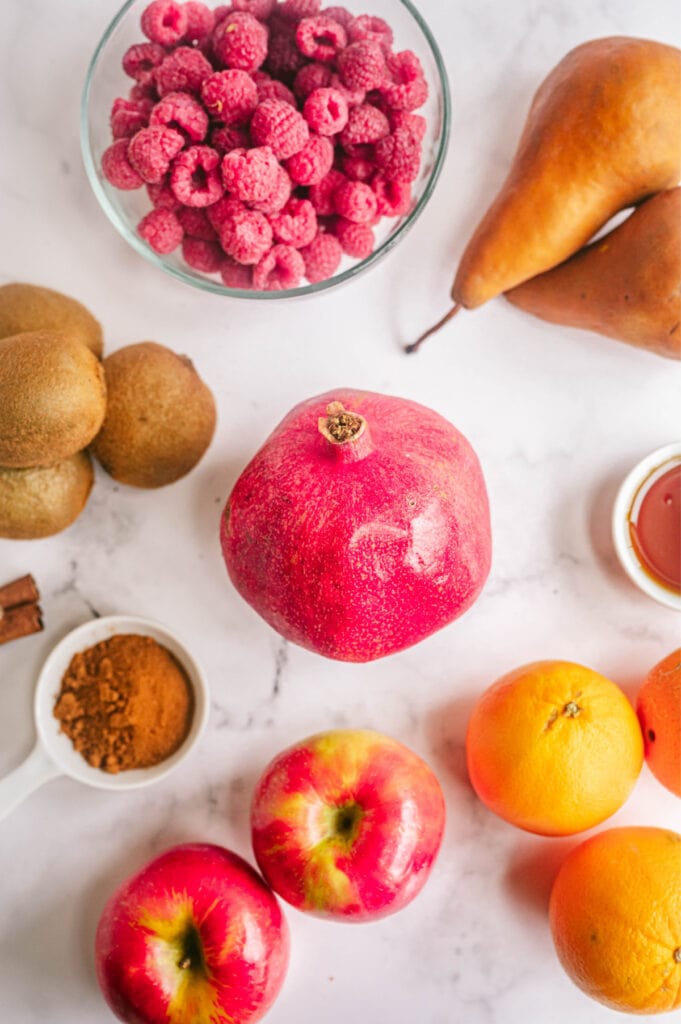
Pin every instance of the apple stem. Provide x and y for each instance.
(185, 964)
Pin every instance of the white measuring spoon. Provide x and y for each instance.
(53, 753)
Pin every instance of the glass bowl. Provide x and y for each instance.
(106, 80)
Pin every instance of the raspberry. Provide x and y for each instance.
(276, 124)
(326, 111)
(365, 151)
(260, 9)
(272, 89)
(279, 197)
(143, 93)
(240, 41)
(283, 57)
(204, 256)
(358, 168)
(182, 112)
(357, 240)
(414, 123)
(294, 10)
(353, 97)
(117, 168)
(250, 174)
(408, 88)
(309, 78)
(399, 155)
(321, 257)
(219, 213)
(313, 162)
(362, 65)
(230, 96)
(321, 195)
(162, 230)
(366, 124)
(320, 38)
(196, 223)
(195, 177)
(221, 12)
(356, 201)
(128, 117)
(139, 61)
(183, 70)
(151, 150)
(236, 275)
(366, 26)
(200, 22)
(296, 225)
(246, 236)
(280, 269)
(393, 197)
(163, 198)
(164, 22)
(228, 137)
(339, 14)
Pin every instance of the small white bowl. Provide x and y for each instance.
(629, 497)
(54, 754)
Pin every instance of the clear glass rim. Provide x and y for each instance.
(206, 284)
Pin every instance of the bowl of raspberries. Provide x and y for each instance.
(265, 148)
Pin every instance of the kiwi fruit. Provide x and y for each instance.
(160, 416)
(52, 398)
(28, 307)
(44, 500)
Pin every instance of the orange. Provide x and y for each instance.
(615, 915)
(554, 748)
(659, 711)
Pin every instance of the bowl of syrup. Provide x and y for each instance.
(646, 525)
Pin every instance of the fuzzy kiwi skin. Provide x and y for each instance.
(44, 500)
(160, 416)
(52, 398)
(28, 307)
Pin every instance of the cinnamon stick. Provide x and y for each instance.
(21, 591)
(20, 613)
(20, 621)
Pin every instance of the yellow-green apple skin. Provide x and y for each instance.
(347, 824)
(195, 937)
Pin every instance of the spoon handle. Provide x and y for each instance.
(37, 769)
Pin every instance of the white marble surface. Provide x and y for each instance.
(557, 417)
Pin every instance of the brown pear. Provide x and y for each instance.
(603, 132)
(626, 285)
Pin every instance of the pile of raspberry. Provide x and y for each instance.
(271, 137)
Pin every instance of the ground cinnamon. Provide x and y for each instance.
(125, 703)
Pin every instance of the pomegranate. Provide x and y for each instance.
(360, 527)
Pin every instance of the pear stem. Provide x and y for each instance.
(416, 345)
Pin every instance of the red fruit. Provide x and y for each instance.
(240, 41)
(347, 824)
(359, 533)
(164, 22)
(195, 936)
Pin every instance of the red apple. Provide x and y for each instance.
(347, 824)
(195, 936)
